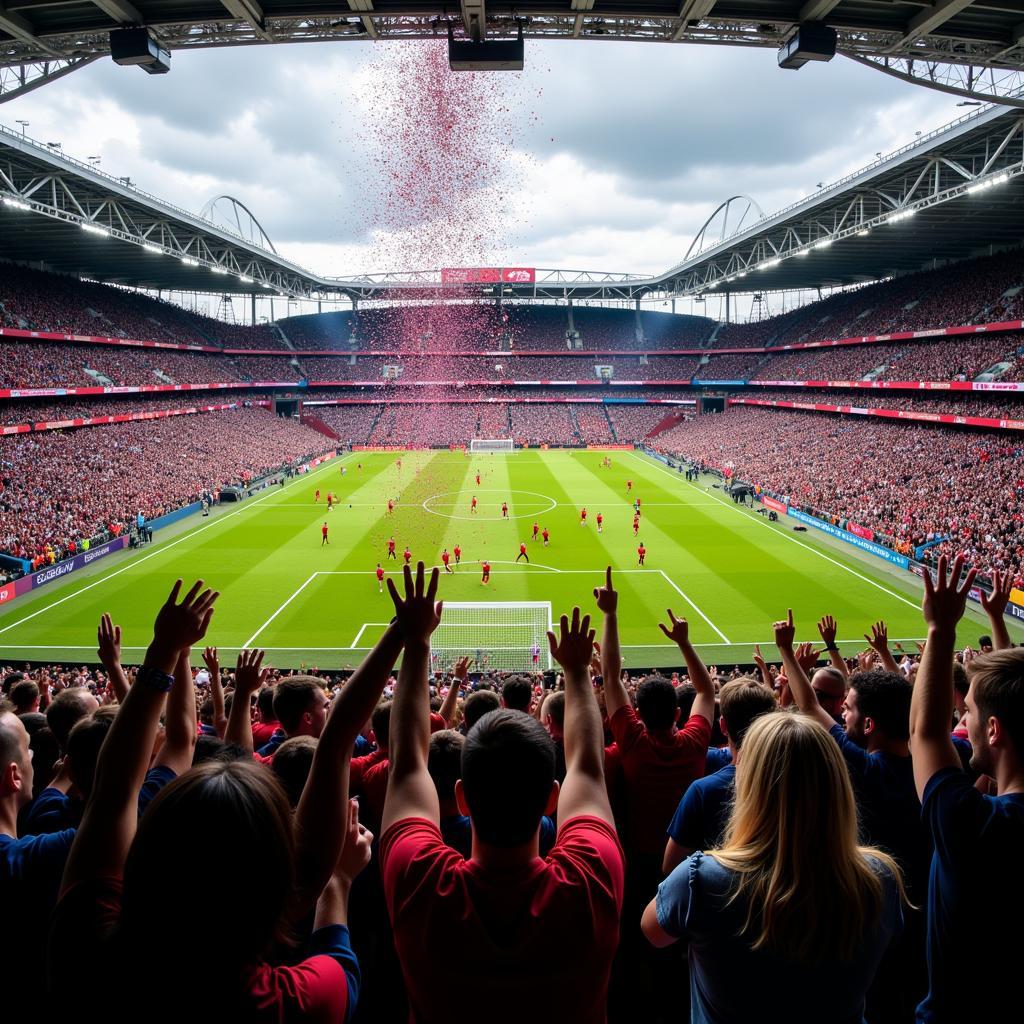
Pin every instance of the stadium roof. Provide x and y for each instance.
(946, 44)
(955, 192)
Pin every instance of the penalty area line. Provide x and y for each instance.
(295, 594)
(679, 590)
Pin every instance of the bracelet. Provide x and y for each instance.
(154, 679)
(831, 647)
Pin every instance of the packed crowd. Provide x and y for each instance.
(953, 403)
(681, 844)
(41, 411)
(909, 484)
(59, 488)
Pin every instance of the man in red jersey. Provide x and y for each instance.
(545, 535)
(522, 552)
(478, 478)
(600, 522)
(583, 517)
(472, 505)
(485, 569)
(380, 578)
(330, 500)
(407, 554)
(391, 549)
(438, 901)
(323, 532)
(642, 552)
(536, 530)
(391, 507)
(636, 525)
(629, 486)
(316, 499)
(446, 558)
(504, 510)
(457, 552)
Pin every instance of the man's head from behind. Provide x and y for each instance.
(15, 761)
(380, 723)
(444, 761)
(67, 708)
(25, 697)
(995, 707)
(291, 765)
(742, 701)
(517, 693)
(877, 707)
(552, 714)
(508, 777)
(830, 688)
(657, 704)
(84, 747)
(300, 705)
(479, 704)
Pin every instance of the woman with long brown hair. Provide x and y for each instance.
(790, 916)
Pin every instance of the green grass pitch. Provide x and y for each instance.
(727, 570)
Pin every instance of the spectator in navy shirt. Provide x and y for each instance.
(976, 889)
(700, 819)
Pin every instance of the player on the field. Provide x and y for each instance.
(629, 486)
(583, 517)
(536, 530)
(522, 552)
(330, 500)
(391, 506)
(407, 554)
(344, 470)
(636, 507)
(600, 522)
(316, 500)
(457, 552)
(446, 558)
(360, 467)
(478, 478)
(380, 578)
(545, 535)
(636, 525)
(398, 463)
(535, 655)
(638, 503)
(642, 552)
(485, 568)
(472, 505)
(323, 532)
(391, 549)
(504, 510)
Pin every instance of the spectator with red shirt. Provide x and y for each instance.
(440, 902)
(300, 705)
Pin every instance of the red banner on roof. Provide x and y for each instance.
(488, 275)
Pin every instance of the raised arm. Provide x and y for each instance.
(110, 819)
(451, 699)
(878, 640)
(249, 678)
(321, 817)
(411, 792)
(611, 655)
(108, 640)
(931, 706)
(762, 668)
(704, 702)
(180, 719)
(584, 790)
(995, 608)
(828, 628)
(799, 685)
(212, 662)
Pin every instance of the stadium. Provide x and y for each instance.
(785, 436)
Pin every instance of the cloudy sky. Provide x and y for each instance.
(613, 154)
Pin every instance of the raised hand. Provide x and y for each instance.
(944, 601)
(249, 673)
(108, 639)
(807, 656)
(461, 671)
(606, 596)
(996, 602)
(865, 661)
(785, 632)
(418, 613)
(679, 632)
(575, 644)
(827, 628)
(759, 658)
(178, 626)
(211, 661)
(878, 640)
(355, 853)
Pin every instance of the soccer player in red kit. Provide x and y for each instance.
(472, 504)
(485, 568)
(330, 500)
(600, 521)
(323, 532)
(522, 552)
(446, 558)
(583, 517)
(457, 552)
(642, 552)
(545, 535)
(636, 525)
(380, 578)
(317, 498)
(478, 478)
(504, 510)
(536, 530)
(407, 554)
(629, 486)
(391, 549)
(398, 463)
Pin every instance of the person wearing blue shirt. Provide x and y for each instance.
(975, 888)
(700, 819)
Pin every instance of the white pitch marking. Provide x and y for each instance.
(360, 633)
(313, 576)
(679, 590)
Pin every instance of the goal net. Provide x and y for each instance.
(498, 444)
(502, 636)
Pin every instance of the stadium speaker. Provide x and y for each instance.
(483, 55)
(813, 40)
(136, 46)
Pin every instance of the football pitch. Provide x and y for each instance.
(724, 568)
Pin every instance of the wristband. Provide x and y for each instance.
(831, 647)
(154, 679)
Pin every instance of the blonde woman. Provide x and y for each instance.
(790, 916)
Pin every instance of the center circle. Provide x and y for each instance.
(461, 499)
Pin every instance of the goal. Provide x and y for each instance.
(498, 635)
(497, 444)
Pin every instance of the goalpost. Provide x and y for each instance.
(495, 444)
(499, 635)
